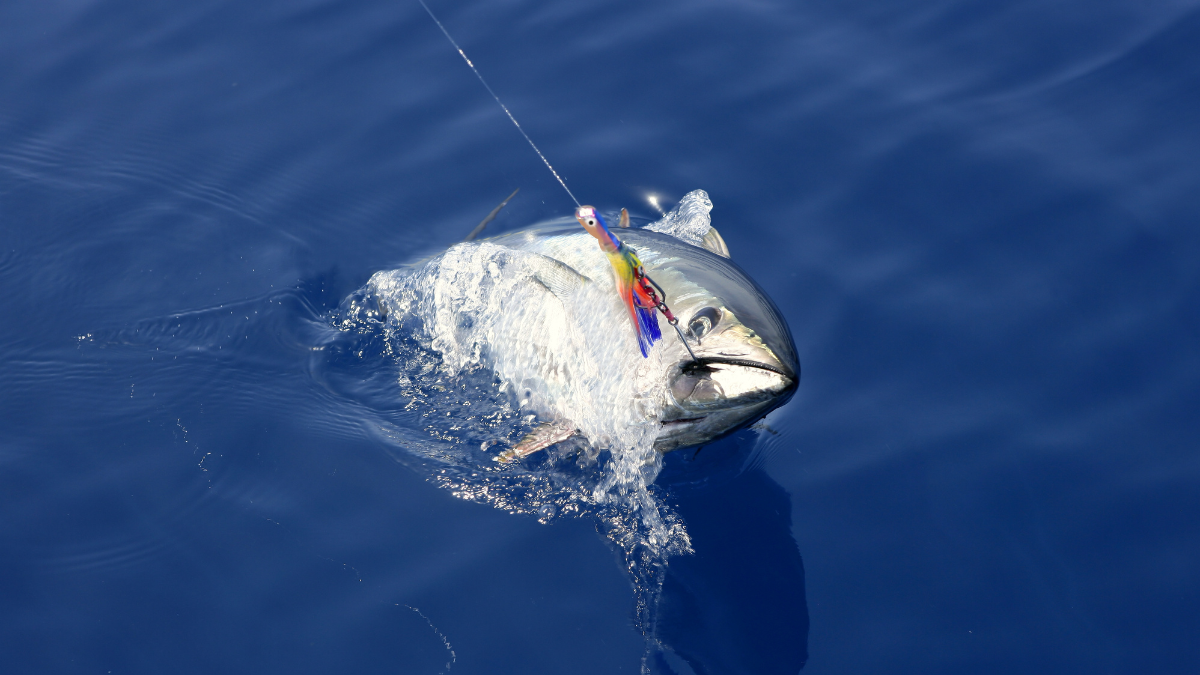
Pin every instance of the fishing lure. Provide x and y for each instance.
(630, 276)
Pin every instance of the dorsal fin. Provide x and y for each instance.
(689, 221)
(713, 242)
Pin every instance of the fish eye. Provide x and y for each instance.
(703, 321)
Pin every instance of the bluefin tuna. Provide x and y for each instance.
(539, 307)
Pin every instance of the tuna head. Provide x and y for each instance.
(745, 363)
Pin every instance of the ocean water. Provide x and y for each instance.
(979, 220)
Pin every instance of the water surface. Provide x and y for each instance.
(978, 218)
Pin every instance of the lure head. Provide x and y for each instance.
(591, 221)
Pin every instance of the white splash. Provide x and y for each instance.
(567, 354)
(689, 220)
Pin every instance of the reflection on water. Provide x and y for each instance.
(737, 605)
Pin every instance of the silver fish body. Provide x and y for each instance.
(539, 306)
(746, 361)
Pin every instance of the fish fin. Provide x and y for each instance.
(490, 217)
(712, 241)
(691, 221)
(543, 436)
(559, 278)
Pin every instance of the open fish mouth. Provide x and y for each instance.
(714, 396)
(712, 383)
(702, 365)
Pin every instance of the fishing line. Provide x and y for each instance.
(501, 103)
(659, 305)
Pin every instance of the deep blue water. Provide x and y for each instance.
(979, 218)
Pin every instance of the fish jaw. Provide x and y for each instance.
(715, 396)
(692, 432)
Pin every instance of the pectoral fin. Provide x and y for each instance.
(542, 437)
(559, 278)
